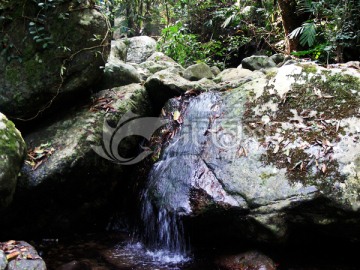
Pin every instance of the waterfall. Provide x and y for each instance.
(166, 195)
(163, 233)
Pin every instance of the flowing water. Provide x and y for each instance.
(163, 234)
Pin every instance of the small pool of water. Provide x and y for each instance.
(116, 251)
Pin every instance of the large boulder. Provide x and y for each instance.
(160, 57)
(21, 256)
(118, 73)
(66, 177)
(273, 158)
(235, 74)
(249, 260)
(257, 62)
(197, 72)
(168, 83)
(51, 56)
(12, 155)
(118, 50)
(140, 48)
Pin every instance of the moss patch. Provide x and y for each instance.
(300, 128)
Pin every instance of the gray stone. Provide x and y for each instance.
(118, 50)
(12, 155)
(29, 259)
(143, 72)
(257, 62)
(278, 58)
(197, 72)
(168, 83)
(232, 74)
(117, 73)
(3, 260)
(160, 57)
(140, 48)
(60, 70)
(215, 70)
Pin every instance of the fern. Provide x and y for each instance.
(307, 33)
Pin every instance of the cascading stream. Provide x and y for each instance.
(164, 200)
(163, 231)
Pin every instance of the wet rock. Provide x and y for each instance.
(118, 50)
(12, 155)
(26, 258)
(139, 48)
(252, 260)
(279, 152)
(57, 68)
(197, 72)
(72, 184)
(117, 73)
(257, 62)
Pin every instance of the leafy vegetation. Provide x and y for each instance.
(222, 32)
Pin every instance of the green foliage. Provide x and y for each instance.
(333, 26)
(307, 33)
(182, 46)
(40, 35)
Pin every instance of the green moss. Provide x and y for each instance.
(12, 75)
(309, 68)
(271, 74)
(10, 138)
(34, 71)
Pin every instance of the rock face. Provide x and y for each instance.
(66, 178)
(279, 152)
(140, 48)
(46, 63)
(12, 155)
(26, 258)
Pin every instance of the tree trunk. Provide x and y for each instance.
(291, 20)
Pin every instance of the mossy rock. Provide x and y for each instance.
(72, 184)
(12, 154)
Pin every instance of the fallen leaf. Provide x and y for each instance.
(323, 168)
(12, 255)
(337, 126)
(176, 115)
(276, 149)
